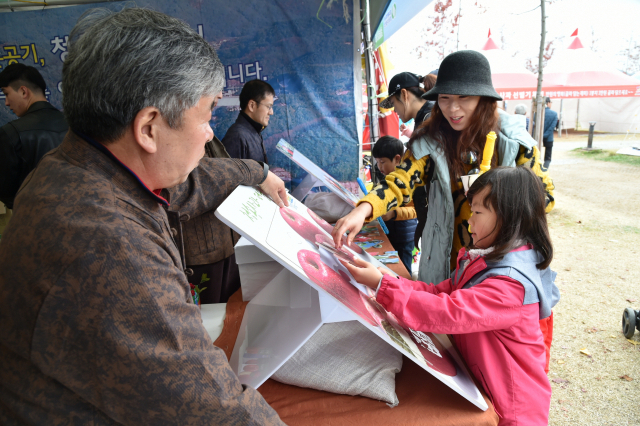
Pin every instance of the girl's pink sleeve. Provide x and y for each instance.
(444, 286)
(491, 305)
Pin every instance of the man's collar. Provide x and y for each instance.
(100, 147)
(37, 106)
(259, 127)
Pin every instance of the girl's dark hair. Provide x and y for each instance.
(517, 197)
(472, 139)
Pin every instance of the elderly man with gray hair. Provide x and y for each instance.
(98, 322)
(521, 109)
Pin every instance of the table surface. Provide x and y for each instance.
(399, 267)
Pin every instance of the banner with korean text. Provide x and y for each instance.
(572, 92)
(305, 53)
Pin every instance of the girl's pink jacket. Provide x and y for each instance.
(497, 335)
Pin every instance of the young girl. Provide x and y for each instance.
(498, 293)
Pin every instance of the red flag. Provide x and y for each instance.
(575, 33)
(489, 33)
(388, 121)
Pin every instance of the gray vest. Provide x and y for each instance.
(539, 286)
(437, 236)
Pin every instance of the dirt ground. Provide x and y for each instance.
(595, 371)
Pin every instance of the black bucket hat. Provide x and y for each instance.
(465, 73)
(400, 81)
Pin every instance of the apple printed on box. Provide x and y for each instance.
(302, 243)
(310, 167)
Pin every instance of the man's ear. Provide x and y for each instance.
(24, 92)
(146, 128)
(252, 105)
(397, 159)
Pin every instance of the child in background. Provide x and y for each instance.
(498, 293)
(401, 221)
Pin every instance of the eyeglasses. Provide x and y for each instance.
(269, 107)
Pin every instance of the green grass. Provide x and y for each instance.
(602, 155)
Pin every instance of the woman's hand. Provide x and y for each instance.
(364, 272)
(352, 222)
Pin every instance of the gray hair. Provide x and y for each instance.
(521, 109)
(119, 63)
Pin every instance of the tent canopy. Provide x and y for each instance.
(578, 72)
(388, 16)
(509, 77)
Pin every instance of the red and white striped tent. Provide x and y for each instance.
(577, 72)
(510, 79)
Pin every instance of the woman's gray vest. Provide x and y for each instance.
(437, 236)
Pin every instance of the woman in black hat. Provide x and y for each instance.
(441, 150)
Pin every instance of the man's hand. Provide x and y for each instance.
(273, 187)
(364, 272)
(352, 222)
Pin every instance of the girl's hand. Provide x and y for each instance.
(352, 222)
(364, 272)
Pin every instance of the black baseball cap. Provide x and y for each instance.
(399, 82)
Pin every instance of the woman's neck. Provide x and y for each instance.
(415, 106)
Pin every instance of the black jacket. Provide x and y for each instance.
(424, 112)
(24, 141)
(244, 140)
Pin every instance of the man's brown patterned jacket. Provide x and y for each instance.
(98, 324)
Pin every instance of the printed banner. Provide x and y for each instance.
(305, 53)
(572, 92)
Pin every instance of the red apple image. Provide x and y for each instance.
(335, 284)
(433, 352)
(320, 221)
(327, 227)
(302, 226)
(436, 356)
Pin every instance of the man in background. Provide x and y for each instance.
(244, 137)
(550, 123)
(39, 128)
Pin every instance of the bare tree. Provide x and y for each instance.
(547, 53)
(631, 57)
(539, 100)
(438, 41)
(594, 41)
(439, 38)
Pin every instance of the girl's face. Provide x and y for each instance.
(483, 221)
(458, 110)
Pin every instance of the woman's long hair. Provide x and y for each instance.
(517, 197)
(454, 143)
